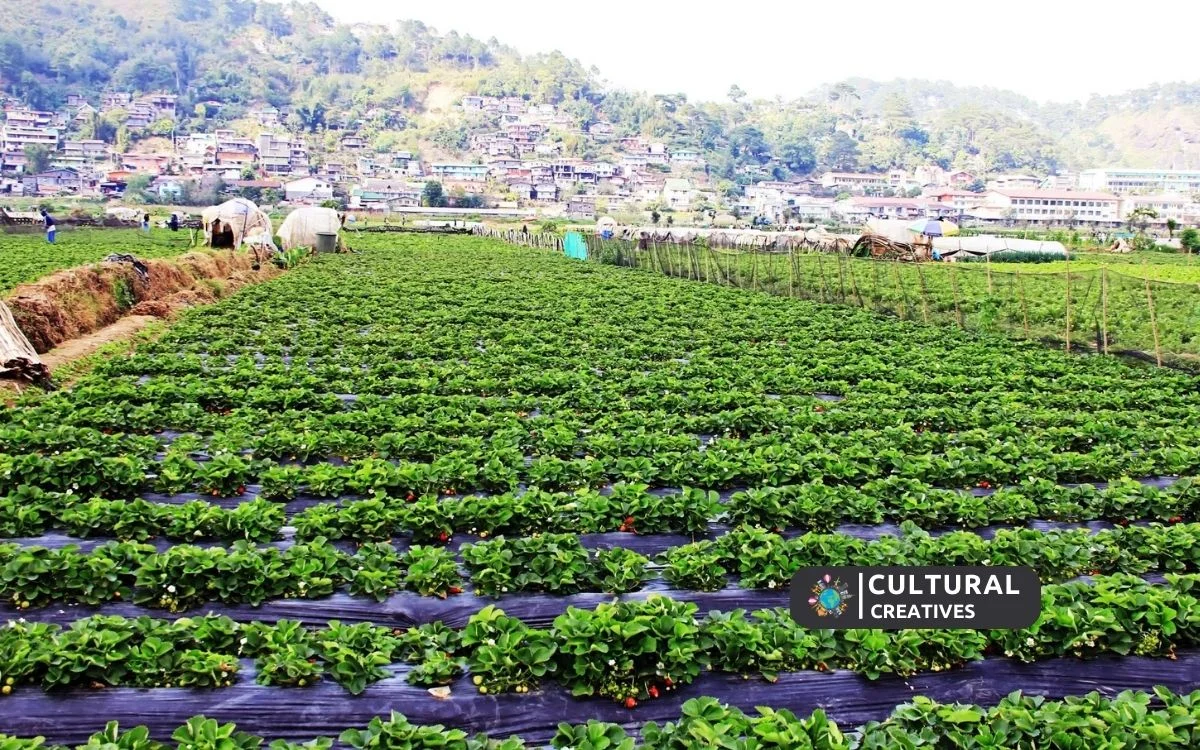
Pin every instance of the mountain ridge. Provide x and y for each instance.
(235, 53)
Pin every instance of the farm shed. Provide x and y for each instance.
(987, 245)
(301, 227)
(235, 222)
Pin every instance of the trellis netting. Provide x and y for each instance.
(1098, 309)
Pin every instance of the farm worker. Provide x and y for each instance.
(146, 223)
(173, 223)
(46, 217)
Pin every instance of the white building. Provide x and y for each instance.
(17, 137)
(1014, 182)
(307, 190)
(854, 182)
(677, 194)
(1181, 208)
(1056, 206)
(1140, 180)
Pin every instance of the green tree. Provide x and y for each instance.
(136, 187)
(839, 151)
(1141, 217)
(432, 194)
(1189, 240)
(655, 216)
(37, 158)
(1172, 225)
(736, 94)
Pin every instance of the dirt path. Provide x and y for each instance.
(85, 345)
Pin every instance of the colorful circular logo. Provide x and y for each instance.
(829, 597)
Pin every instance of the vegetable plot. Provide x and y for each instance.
(28, 257)
(561, 489)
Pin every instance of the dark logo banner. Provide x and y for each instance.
(901, 597)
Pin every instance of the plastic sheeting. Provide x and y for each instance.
(248, 222)
(326, 708)
(987, 244)
(301, 227)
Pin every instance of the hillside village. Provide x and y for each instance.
(514, 164)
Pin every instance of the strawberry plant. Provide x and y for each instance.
(620, 570)
(431, 571)
(698, 566)
(622, 650)
(504, 654)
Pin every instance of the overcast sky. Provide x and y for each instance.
(1047, 49)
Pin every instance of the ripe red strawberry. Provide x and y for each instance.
(455, 589)
(628, 520)
(631, 702)
(410, 497)
(443, 537)
(1175, 519)
(653, 691)
(667, 681)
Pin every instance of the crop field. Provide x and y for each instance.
(449, 493)
(1150, 310)
(27, 257)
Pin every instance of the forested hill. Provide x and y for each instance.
(397, 85)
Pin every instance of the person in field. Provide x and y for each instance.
(146, 223)
(49, 221)
(173, 223)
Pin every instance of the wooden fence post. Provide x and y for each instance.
(821, 271)
(954, 289)
(1104, 308)
(1068, 305)
(1024, 306)
(924, 295)
(899, 289)
(1153, 324)
(854, 282)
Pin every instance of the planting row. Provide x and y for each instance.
(1130, 719)
(500, 463)
(627, 507)
(187, 576)
(625, 651)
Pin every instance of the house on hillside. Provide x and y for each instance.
(151, 163)
(677, 194)
(459, 171)
(307, 190)
(854, 182)
(84, 113)
(1014, 182)
(601, 131)
(168, 189)
(960, 178)
(861, 208)
(581, 207)
(66, 181)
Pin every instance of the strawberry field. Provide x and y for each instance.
(448, 493)
(28, 257)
